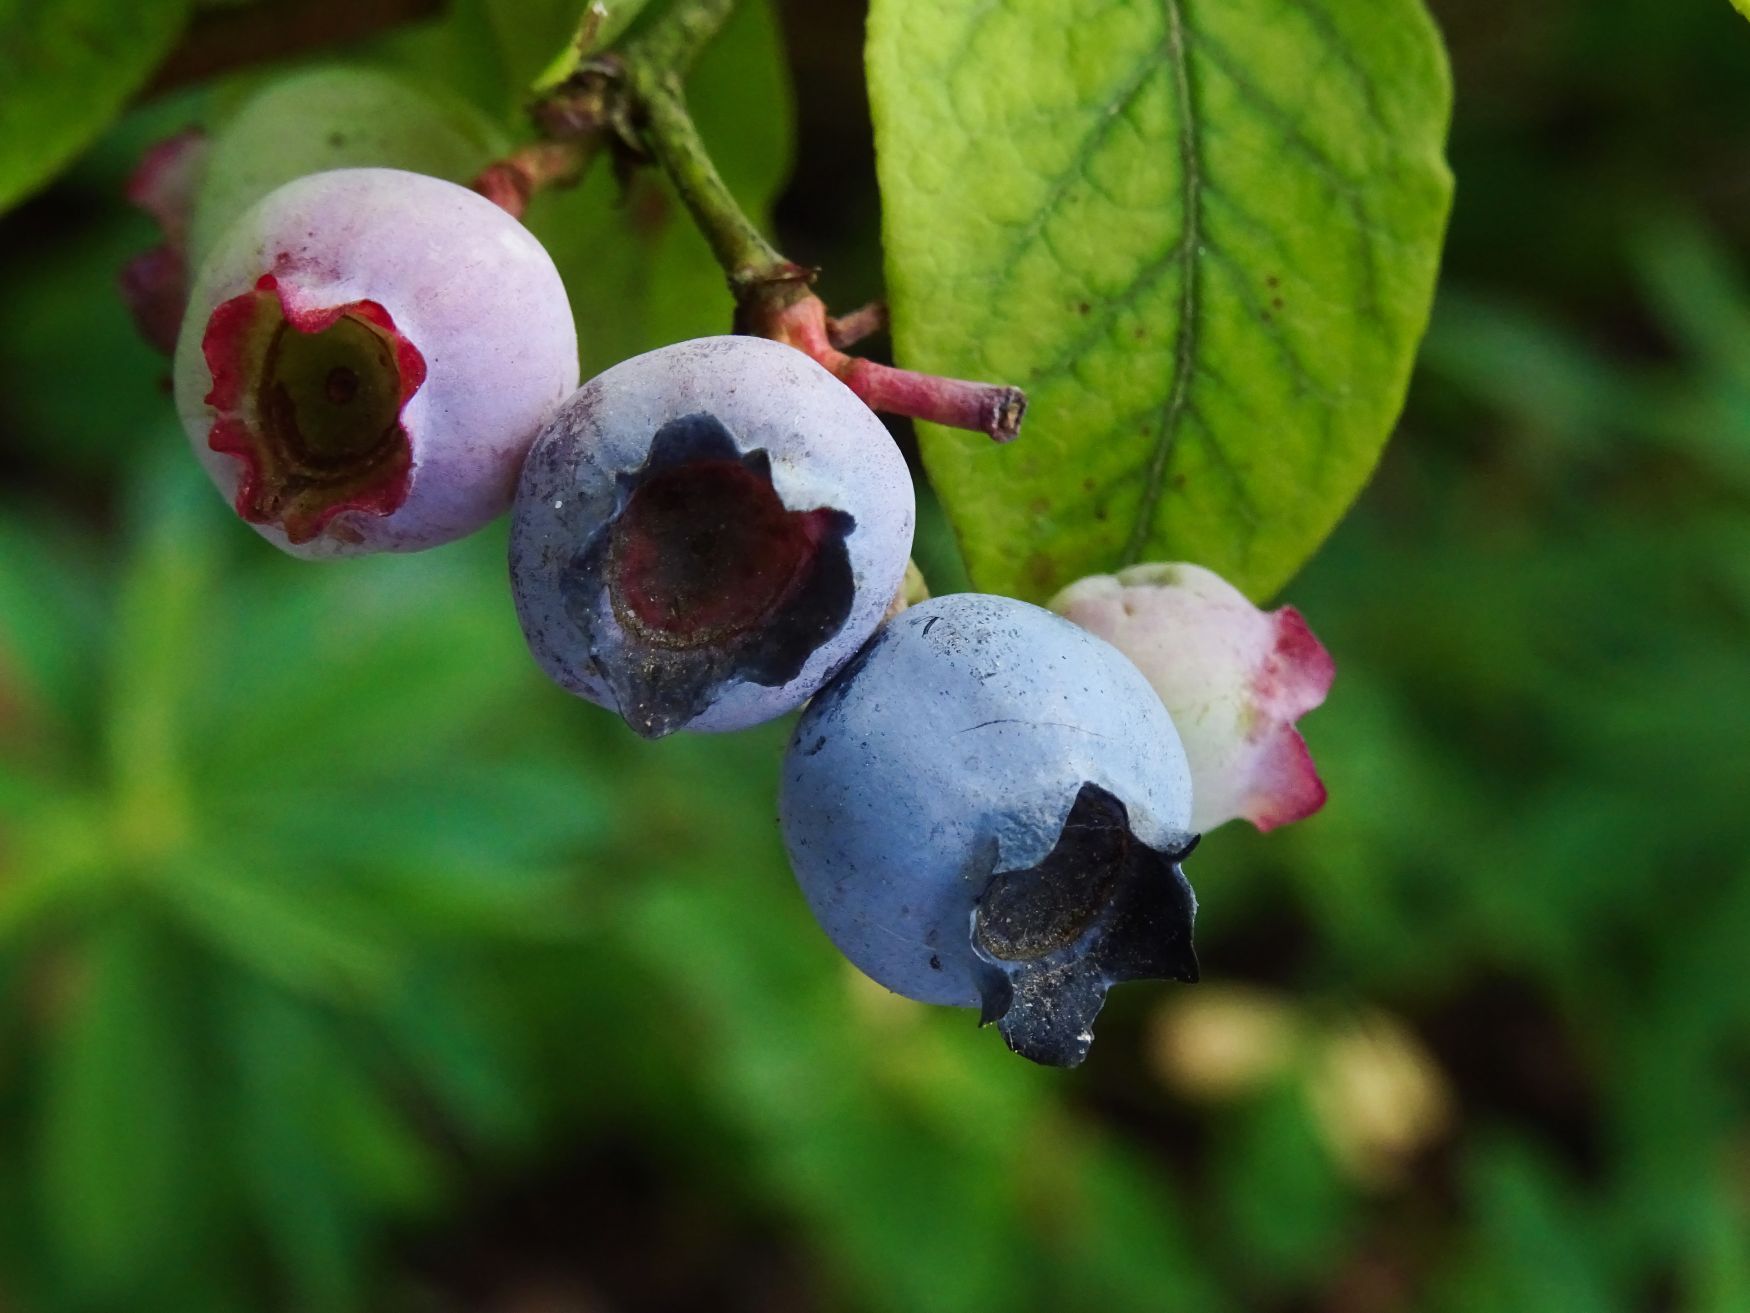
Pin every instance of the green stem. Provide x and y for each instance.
(772, 297)
(675, 39)
(655, 65)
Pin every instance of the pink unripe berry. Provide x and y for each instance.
(1234, 677)
(367, 355)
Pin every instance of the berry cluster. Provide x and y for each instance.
(985, 804)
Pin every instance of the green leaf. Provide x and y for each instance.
(120, 1123)
(50, 617)
(68, 68)
(1280, 1196)
(327, 947)
(153, 675)
(1742, 6)
(424, 632)
(287, 1066)
(443, 1031)
(1203, 236)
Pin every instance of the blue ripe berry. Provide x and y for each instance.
(704, 533)
(987, 808)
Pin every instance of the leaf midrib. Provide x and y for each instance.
(1191, 166)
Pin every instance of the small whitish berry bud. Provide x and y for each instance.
(366, 357)
(1235, 679)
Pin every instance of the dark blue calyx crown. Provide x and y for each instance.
(701, 576)
(1101, 908)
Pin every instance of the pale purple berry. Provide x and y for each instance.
(366, 356)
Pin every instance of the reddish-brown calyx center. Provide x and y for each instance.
(310, 403)
(707, 550)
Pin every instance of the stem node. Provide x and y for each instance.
(637, 96)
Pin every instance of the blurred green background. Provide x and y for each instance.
(345, 964)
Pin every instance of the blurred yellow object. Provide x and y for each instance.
(912, 590)
(1378, 1098)
(1218, 1042)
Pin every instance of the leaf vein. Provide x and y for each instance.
(1110, 308)
(1074, 170)
(1191, 167)
(1293, 130)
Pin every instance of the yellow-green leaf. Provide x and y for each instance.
(1202, 234)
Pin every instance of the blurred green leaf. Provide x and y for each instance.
(119, 1146)
(1536, 1243)
(62, 319)
(328, 947)
(151, 677)
(1133, 1243)
(1720, 1263)
(457, 50)
(50, 607)
(68, 67)
(831, 1149)
(57, 854)
(1548, 375)
(1281, 1196)
(445, 1034)
(378, 664)
(1205, 242)
(1699, 291)
(1513, 358)
(285, 1069)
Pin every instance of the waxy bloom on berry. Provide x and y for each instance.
(366, 357)
(705, 532)
(1235, 679)
(987, 808)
